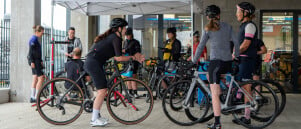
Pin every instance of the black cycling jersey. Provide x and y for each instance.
(35, 51)
(106, 48)
(251, 51)
(132, 47)
(73, 68)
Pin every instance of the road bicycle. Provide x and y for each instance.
(187, 102)
(60, 104)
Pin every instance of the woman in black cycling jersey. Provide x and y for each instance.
(219, 35)
(106, 46)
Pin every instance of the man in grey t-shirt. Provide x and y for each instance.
(75, 43)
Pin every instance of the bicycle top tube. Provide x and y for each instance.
(117, 73)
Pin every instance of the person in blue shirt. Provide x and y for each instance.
(36, 63)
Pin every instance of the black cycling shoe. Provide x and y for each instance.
(214, 126)
(32, 100)
(242, 119)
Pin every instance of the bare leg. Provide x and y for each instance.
(101, 94)
(163, 84)
(133, 83)
(255, 77)
(247, 110)
(215, 92)
(40, 82)
(34, 81)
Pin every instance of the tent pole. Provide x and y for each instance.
(192, 28)
(52, 41)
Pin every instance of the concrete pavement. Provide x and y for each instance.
(23, 116)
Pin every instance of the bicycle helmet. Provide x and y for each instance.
(246, 7)
(196, 33)
(118, 22)
(129, 31)
(172, 30)
(212, 11)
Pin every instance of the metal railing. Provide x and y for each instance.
(59, 57)
(4, 53)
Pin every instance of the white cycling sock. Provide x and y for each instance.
(37, 91)
(33, 93)
(95, 114)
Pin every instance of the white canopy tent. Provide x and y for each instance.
(127, 7)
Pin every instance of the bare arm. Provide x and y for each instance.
(263, 50)
(138, 57)
(244, 46)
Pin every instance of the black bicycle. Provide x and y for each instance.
(60, 104)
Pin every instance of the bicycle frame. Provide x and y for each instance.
(224, 106)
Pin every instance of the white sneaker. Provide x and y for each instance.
(100, 122)
(136, 96)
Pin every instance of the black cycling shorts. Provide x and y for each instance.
(136, 66)
(257, 70)
(38, 70)
(96, 70)
(246, 69)
(216, 68)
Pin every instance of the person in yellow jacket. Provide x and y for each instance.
(172, 49)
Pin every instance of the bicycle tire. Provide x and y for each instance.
(116, 102)
(178, 90)
(160, 89)
(59, 104)
(279, 92)
(210, 113)
(260, 121)
(200, 103)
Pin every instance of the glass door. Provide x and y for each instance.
(299, 52)
(277, 30)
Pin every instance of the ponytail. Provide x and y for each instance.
(212, 25)
(38, 28)
(105, 34)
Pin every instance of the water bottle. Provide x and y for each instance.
(228, 80)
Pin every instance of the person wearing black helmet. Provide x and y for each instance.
(172, 47)
(219, 35)
(106, 46)
(248, 51)
(196, 42)
(131, 46)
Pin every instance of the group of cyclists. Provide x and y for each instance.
(225, 47)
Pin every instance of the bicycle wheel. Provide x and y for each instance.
(64, 106)
(199, 97)
(127, 109)
(262, 111)
(164, 82)
(279, 92)
(176, 111)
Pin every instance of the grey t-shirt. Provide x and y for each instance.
(219, 43)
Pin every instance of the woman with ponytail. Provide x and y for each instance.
(35, 61)
(106, 46)
(219, 35)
